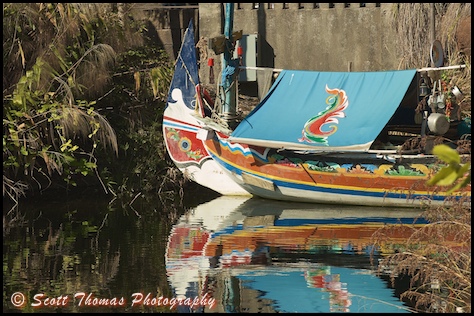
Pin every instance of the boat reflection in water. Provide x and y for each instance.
(257, 255)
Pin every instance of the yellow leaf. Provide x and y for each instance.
(136, 75)
(23, 60)
(460, 185)
(446, 153)
(46, 161)
(445, 176)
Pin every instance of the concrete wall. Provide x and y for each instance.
(167, 24)
(314, 36)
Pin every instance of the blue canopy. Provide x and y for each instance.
(329, 111)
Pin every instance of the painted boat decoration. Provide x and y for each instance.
(340, 178)
(320, 137)
(279, 252)
(180, 126)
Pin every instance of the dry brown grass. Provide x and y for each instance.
(452, 28)
(437, 257)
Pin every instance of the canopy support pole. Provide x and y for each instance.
(418, 70)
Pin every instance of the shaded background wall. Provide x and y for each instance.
(167, 22)
(317, 36)
(313, 36)
(321, 36)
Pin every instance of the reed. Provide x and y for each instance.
(412, 21)
(56, 60)
(437, 256)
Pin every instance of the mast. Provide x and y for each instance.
(229, 68)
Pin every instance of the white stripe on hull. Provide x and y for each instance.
(291, 194)
(211, 175)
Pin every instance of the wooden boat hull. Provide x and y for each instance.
(180, 126)
(191, 157)
(356, 179)
(238, 162)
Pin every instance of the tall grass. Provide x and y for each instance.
(412, 22)
(81, 85)
(437, 257)
(56, 59)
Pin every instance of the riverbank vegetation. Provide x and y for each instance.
(84, 90)
(83, 96)
(437, 258)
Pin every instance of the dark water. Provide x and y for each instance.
(228, 254)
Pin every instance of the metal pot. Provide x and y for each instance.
(438, 123)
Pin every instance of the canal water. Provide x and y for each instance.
(223, 254)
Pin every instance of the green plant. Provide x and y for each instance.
(51, 127)
(141, 82)
(160, 79)
(455, 174)
(45, 131)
